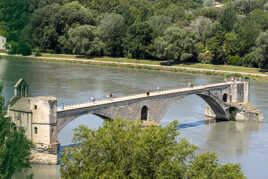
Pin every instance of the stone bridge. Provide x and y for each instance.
(43, 120)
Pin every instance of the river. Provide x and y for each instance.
(240, 142)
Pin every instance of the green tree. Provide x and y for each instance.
(259, 17)
(261, 50)
(252, 59)
(138, 43)
(247, 32)
(203, 27)
(53, 21)
(111, 31)
(231, 44)
(177, 44)
(14, 146)
(210, 12)
(159, 23)
(15, 14)
(246, 6)
(81, 38)
(124, 149)
(228, 18)
(215, 46)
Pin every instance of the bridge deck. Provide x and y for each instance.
(143, 95)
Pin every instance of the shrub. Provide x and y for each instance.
(235, 60)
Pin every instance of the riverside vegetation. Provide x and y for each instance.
(15, 148)
(124, 149)
(182, 30)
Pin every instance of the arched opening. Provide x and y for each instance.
(66, 134)
(232, 111)
(35, 130)
(144, 113)
(191, 109)
(225, 97)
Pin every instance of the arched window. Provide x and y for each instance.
(224, 97)
(144, 113)
(35, 130)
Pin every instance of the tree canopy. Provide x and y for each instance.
(125, 149)
(219, 30)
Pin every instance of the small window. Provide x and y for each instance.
(52, 131)
(35, 130)
(35, 107)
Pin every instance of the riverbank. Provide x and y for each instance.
(208, 69)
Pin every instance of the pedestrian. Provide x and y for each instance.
(147, 92)
(92, 99)
(189, 84)
(225, 80)
(111, 95)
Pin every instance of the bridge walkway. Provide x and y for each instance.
(182, 91)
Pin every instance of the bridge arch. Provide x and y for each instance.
(217, 106)
(64, 121)
(65, 133)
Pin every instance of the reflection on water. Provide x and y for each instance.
(242, 142)
(234, 137)
(40, 171)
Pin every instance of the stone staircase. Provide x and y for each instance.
(246, 111)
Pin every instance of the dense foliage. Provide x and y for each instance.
(182, 30)
(14, 147)
(123, 149)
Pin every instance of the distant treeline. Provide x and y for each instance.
(219, 32)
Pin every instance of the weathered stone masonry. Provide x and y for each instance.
(43, 120)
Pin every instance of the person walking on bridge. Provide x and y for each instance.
(190, 84)
(147, 92)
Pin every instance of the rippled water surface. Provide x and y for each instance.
(241, 142)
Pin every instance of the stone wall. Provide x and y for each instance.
(2, 43)
(44, 120)
(44, 158)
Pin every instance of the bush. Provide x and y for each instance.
(37, 52)
(235, 60)
(251, 59)
(21, 47)
(206, 57)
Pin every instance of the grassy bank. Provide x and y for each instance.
(235, 69)
(208, 69)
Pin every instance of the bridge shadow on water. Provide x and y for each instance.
(191, 124)
(198, 123)
(64, 147)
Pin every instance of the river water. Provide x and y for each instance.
(240, 142)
